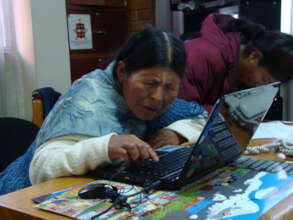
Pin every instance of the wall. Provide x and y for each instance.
(42, 42)
(290, 92)
(140, 13)
(163, 15)
(287, 27)
(51, 43)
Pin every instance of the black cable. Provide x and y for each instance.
(121, 200)
(103, 212)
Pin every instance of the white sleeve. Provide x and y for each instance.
(188, 128)
(68, 155)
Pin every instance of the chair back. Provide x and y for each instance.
(16, 135)
(43, 100)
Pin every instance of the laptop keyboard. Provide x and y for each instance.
(168, 169)
(264, 165)
(169, 163)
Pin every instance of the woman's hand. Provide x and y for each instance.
(130, 148)
(165, 137)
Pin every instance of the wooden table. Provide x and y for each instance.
(18, 205)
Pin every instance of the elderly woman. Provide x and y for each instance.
(122, 112)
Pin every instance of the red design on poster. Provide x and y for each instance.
(80, 30)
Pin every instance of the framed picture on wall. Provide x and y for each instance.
(80, 32)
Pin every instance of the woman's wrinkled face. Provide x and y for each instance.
(148, 92)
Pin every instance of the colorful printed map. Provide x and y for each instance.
(229, 193)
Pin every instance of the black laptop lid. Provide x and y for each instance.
(230, 126)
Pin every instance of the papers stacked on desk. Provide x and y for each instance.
(274, 129)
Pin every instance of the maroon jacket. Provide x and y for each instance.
(211, 62)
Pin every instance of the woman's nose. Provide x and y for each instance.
(158, 94)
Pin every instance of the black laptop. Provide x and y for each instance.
(230, 126)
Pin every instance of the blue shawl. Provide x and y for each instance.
(93, 106)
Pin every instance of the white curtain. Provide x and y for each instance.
(11, 68)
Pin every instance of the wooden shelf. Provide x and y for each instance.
(105, 3)
(112, 21)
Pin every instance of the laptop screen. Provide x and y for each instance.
(230, 126)
(243, 111)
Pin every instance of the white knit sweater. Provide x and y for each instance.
(79, 154)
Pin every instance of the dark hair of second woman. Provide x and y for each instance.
(276, 47)
(151, 47)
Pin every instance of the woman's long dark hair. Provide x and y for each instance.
(276, 47)
(151, 47)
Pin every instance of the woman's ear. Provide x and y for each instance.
(120, 71)
(255, 56)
